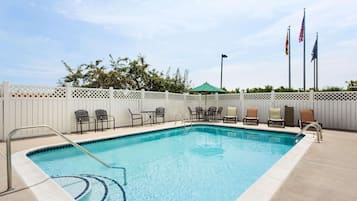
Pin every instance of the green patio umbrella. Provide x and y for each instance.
(207, 88)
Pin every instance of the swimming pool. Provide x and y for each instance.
(198, 163)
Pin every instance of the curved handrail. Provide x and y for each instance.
(79, 147)
(315, 125)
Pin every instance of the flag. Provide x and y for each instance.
(301, 36)
(287, 44)
(314, 51)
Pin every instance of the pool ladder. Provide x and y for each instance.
(79, 147)
(312, 125)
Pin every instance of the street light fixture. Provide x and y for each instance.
(222, 56)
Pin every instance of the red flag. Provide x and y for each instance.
(301, 36)
(287, 44)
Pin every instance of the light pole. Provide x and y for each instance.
(222, 56)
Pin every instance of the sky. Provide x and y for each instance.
(35, 35)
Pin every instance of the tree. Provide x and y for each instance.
(352, 85)
(124, 73)
(75, 75)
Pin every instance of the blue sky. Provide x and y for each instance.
(187, 34)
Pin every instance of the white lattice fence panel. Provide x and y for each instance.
(21, 91)
(90, 93)
(335, 96)
(126, 94)
(303, 96)
(27, 111)
(257, 96)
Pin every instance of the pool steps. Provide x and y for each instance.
(89, 187)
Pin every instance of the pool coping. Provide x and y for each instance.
(264, 188)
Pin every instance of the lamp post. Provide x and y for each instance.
(222, 56)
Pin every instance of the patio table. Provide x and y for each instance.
(151, 114)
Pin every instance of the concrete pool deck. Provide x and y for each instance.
(327, 171)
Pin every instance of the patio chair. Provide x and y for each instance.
(252, 116)
(136, 116)
(199, 113)
(275, 117)
(231, 115)
(82, 117)
(191, 113)
(307, 117)
(160, 112)
(102, 116)
(219, 112)
(211, 112)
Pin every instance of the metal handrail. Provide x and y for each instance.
(79, 147)
(318, 128)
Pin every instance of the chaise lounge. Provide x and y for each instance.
(275, 117)
(252, 116)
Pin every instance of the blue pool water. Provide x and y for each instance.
(202, 163)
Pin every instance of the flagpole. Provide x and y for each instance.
(289, 52)
(304, 51)
(317, 60)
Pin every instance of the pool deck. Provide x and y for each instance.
(327, 171)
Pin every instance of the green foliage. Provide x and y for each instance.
(352, 85)
(124, 73)
(332, 89)
(267, 88)
(283, 89)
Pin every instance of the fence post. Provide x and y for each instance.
(272, 98)
(6, 109)
(216, 96)
(311, 99)
(69, 104)
(111, 98)
(242, 106)
(140, 107)
(167, 109)
(185, 105)
(200, 99)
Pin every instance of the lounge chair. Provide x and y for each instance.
(275, 117)
(160, 112)
(252, 116)
(231, 115)
(82, 117)
(102, 116)
(136, 116)
(307, 117)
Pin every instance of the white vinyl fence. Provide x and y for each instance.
(55, 106)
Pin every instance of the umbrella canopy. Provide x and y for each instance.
(207, 88)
